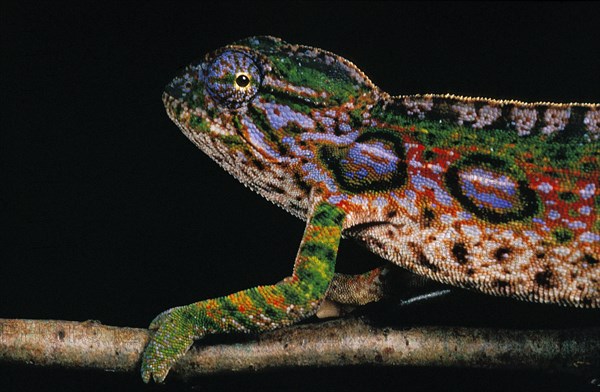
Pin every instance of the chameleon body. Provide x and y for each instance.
(496, 196)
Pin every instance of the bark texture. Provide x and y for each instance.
(344, 342)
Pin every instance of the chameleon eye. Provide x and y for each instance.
(233, 78)
(242, 80)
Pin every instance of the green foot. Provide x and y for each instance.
(173, 338)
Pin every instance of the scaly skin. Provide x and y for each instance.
(499, 197)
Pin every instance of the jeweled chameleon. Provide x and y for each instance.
(495, 196)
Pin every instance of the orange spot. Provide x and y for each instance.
(346, 206)
(273, 299)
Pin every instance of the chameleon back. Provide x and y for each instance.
(496, 196)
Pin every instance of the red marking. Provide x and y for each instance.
(552, 202)
(276, 301)
(439, 151)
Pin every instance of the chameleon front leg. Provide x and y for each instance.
(257, 309)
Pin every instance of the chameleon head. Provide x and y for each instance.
(253, 106)
(209, 99)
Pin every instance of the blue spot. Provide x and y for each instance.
(334, 199)
(553, 215)
(488, 198)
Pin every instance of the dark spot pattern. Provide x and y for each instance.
(460, 253)
(428, 216)
(589, 259)
(500, 284)
(502, 253)
(278, 190)
(378, 244)
(544, 278)
(586, 301)
(562, 235)
(424, 261)
(569, 197)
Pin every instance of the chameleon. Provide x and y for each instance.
(496, 196)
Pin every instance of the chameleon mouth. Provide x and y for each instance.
(180, 114)
(188, 119)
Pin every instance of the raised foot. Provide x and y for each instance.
(173, 338)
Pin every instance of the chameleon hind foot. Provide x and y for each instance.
(358, 289)
(348, 291)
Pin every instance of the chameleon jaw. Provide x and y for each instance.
(268, 178)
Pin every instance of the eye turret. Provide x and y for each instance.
(233, 78)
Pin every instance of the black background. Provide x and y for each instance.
(109, 213)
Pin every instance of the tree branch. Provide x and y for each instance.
(335, 343)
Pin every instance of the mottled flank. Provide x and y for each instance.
(496, 196)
